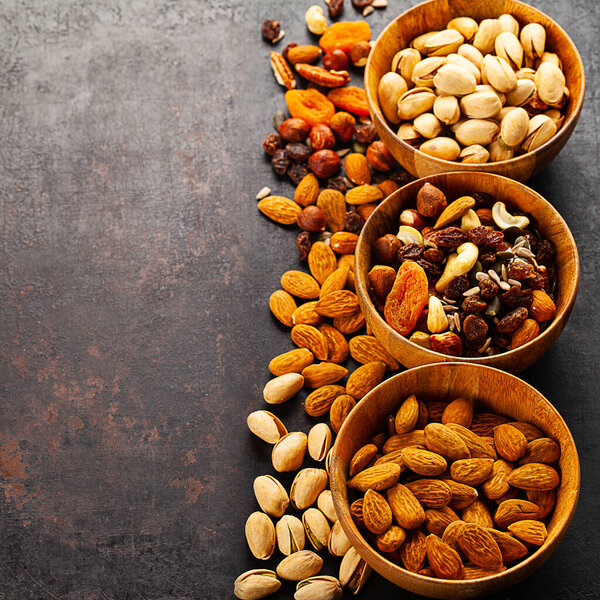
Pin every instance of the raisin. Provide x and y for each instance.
(433, 255)
(359, 4)
(433, 271)
(519, 269)
(365, 133)
(483, 200)
(270, 29)
(298, 151)
(410, 252)
(532, 239)
(487, 260)
(457, 287)
(483, 235)
(516, 296)
(475, 329)
(335, 9)
(272, 143)
(297, 172)
(303, 244)
(473, 304)
(280, 162)
(545, 252)
(513, 320)
(353, 222)
(539, 281)
(286, 50)
(449, 237)
(401, 177)
(503, 340)
(336, 183)
(488, 288)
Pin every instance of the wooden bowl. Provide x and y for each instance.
(434, 15)
(552, 226)
(493, 390)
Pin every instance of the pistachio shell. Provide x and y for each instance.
(427, 125)
(260, 535)
(509, 48)
(404, 62)
(354, 571)
(499, 152)
(474, 154)
(288, 452)
(307, 486)
(498, 73)
(316, 527)
(476, 131)
(522, 94)
(444, 42)
(509, 23)
(551, 57)
(503, 112)
(446, 109)
(441, 147)
(325, 505)
(465, 63)
(290, 535)
(338, 543)
(319, 441)
(541, 129)
(533, 40)
(391, 87)
(454, 80)
(486, 35)
(550, 83)
(513, 127)
(526, 73)
(466, 26)
(322, 587)
(415, 102)
(471, 54)
(300, 565)
(480, 105)
(424, 72)
(420, 41)
(271, 495)
(256, 584)
(266, 426)
(408, 133)
(556, 116)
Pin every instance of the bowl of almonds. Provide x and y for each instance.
(466, 267)
(455, 480)
(489, 86)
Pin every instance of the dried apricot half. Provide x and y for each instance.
(310, 105)
(350, 98)
(344, 35)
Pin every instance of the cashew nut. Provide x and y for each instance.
(504, 219)
(410, 235)
(437, 320)
(458, 264)
(469, 221)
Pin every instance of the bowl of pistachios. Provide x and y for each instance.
(492, 86)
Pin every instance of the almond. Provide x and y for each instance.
(363, 194)
(450, 535)
(454, 211)
(477, 446)
(424, 462)
(282, 306)
(351, 324)
(366, 348)
(306, 314)
(361, 459)
(406, 509)
(300, 284)
(392, 539)
(407, 415)
(431, 493)
(365, 378)
(414, 551)
(340, 409)
(293, 361)
(388, 186)
(335, 281)
(401, 441)
(303, 54)
(343, 242)
(443, 560)
(484, 423)
(342, 303)
(511, 511)
(324, 373)
(376, 478)
(478, 513)
(479, 546)
(497, 485)
(437, 519)
(532, 532)
(462, 495)
(472, 471)
(534, 476)
(333, 205)
(543, 307)
(423, 416)
(509, 442)
(541, 450)
(435, 411)
(531, 432)
(307, 336)
(442, 440)
(395, 457)
(527, 332)
(475, 572)
(458, 411)
(545, 500)
(307, 191)
(321, 262)
(510, 548)
(357, 168)
(338, 346)
(317, 403)
(280, 209)
(377, 514)
(366, 210)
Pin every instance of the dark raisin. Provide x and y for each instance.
(433, 271)
(365, 133)
(457, 287)
(272, 143)
(298, 151)
(360, 4)
(473, 304)
(353, 222)
(402, 177)
(539, 281)
(270, 29)
(545, 251)
(513, 320)
(516, 296)
(503, 340)
(449, 237)
(287, 49)
(336, 183)
(475, 329)
(519, 269)
(488, 288)
(336, 7)
(433, 255)
(532, 239)
(280, 162)
(483, 235)
(487, 260)
(303, 244)
(297, 172)
(410, 252)
(483, 200)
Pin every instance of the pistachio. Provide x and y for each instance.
(551, 57)
(526, 73)
(391, 87)
(486, 35)
(280, 389)
(316, 527)
(513, 128)
(476, 131)
(290, 535)
(471, 54)
(541, 129)
(299, 565)
(427, 125)
(424, 72)
(408, 133)
(319, 441)
(498, 73)
(441, 147)
(480, 105)
(533, 39)
(415, 102)
(475, 154)
(354, 571)
(404, 62)
(486, 87)
(444, 42)
(549, 83)
(271, 495)
(322, 587)
(454, 80)
(509, 23)
(256, 584)
(288, 452)
(260, 535)
(338, 543)
(307, 486)
(325, 505)
(504, 219)
(556, 116)
(461, 61)
(470, 219)
(499, 152)
(509, 48)
(458, 263)
(409, 235)
(419, 42)
(266, 426)
(466, 26)
(437, 321)
(446, 109)
(522, 94)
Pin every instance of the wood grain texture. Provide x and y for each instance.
(493, 391)
(434, 15)
(551, 225)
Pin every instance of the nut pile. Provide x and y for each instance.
(464, 278)
(476, 92)
(451, 494)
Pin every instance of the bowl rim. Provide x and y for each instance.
(364, 548)
(363, 293)
(374, 105)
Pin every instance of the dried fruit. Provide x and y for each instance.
(351, 99)
(309, 105)
(344, 34)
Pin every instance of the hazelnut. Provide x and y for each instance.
(336, 60)
(412, 218)
(379, 157)
(386, 249)
(343, 125)
(324, 163)
(294, 130)
(485, 216)
(311, 218)
(431, 201)
(446, 343)
(381, 280)
(359, 53)
(322, 138)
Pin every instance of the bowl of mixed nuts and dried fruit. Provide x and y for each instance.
(454, 480)
(490, 86)
(469, 267)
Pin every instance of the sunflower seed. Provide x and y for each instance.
(472, 291)
(264, 192)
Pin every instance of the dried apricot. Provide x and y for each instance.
(408, 297)
(344, 35)
(350, 98)
(310, 105)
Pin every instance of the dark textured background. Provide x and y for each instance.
(135, 272)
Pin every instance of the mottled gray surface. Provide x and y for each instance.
(135, 271)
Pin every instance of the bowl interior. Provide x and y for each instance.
(492, 390)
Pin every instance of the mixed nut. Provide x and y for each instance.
(476, 92)
(450, 493)
(466, 277)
